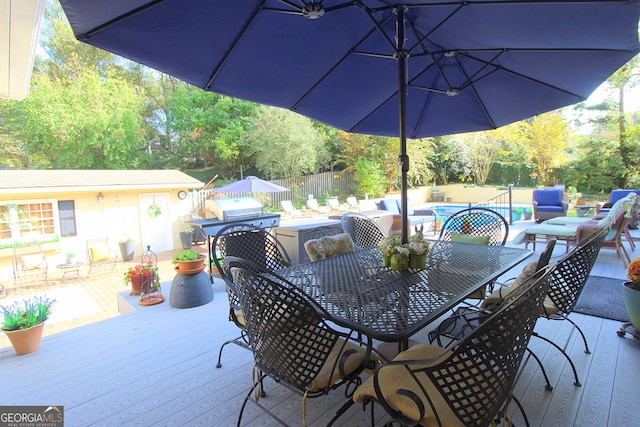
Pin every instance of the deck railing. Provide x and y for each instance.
(501, 203)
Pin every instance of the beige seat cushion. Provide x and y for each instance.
(352, 363)
(394, 377)
(527, 272)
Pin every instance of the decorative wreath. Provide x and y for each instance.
(154, 210)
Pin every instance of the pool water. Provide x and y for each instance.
(448, 210)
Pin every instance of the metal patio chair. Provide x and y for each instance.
(292, 343)
(364, 231)
(251, 243)
(476, 225)
(468, 384)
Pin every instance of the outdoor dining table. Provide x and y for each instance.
(358, 291)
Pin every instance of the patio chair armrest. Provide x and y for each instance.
(585, 230)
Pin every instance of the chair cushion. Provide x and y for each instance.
(552, 230)
(549, 208)
(621, 194)
(395, 377)
(390, 205)
(548, 198)
(98, 254)
(410, 210)
(328, 246)
(31, 262)
(352, 363)
(465, 238)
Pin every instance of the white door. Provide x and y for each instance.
(155, 222)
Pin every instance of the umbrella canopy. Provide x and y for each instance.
(415, 69)
(251, 184)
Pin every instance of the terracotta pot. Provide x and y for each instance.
(26, 341)
(140, 284)
(191, 266)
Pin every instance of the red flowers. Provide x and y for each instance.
(145, 270)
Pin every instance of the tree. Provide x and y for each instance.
(448, 159)
(627, 77)
(214, 126)
(283, 143)
(547, 137)
(81, 123)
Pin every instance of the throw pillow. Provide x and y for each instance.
(464, 238)
(98, 254)
(328, 246)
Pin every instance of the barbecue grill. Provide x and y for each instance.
(239, 210)
(246, 210)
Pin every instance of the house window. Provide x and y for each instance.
(67, 212)
(26, 221)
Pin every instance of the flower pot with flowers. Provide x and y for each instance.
(388, 247)
(23, 322)
(143, 278)
(631, 293)
(418, 247)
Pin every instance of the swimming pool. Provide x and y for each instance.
(450, 209)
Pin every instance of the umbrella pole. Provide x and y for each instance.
(403, 159)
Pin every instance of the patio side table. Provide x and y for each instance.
(71, 268)
(585, 210)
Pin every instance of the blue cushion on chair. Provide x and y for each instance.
(548, 198)
(620, 194)
(390, 205)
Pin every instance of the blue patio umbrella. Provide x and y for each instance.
(410, 69)
(251, 184)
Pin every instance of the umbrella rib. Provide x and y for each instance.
(119, 19)
(352, 51)
(233, 45)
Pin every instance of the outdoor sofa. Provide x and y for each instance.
(415, 216)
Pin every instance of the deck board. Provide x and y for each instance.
(156, 366)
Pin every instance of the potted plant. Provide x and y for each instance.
(631, 293)
(70, 257)
(24, 321)
(143, 278)
(467, 225)
(127, 248)
(527, 213)
(516, 213)
(186, 238)
(419, 247)
(188, 261)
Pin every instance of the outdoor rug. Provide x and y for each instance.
(602, 297)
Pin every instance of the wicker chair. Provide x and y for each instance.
(364, 231)
(469, 384)
(291, 341)
(252, 243)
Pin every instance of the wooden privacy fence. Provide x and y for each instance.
(322, 186)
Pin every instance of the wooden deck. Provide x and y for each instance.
(156, 366)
